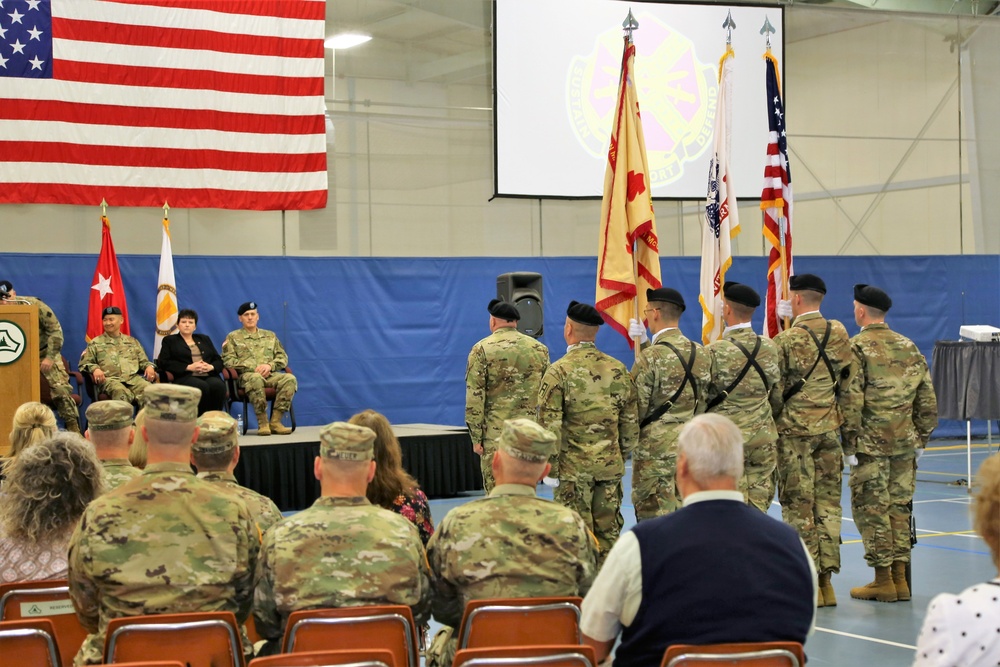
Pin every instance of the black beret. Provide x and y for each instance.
(741, 294)
(584, 314)
(111, 310)
(503, 310)
(807, 281)
(244, 307)
(5, 287)
(666, 294)
(868, 295)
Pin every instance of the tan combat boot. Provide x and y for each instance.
(826, 588)
(263, 428)
(820, 602)
(899, 580)
(882, 589)
(277, 427)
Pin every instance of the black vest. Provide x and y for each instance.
(717, 571)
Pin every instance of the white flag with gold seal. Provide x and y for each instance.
(166, 291)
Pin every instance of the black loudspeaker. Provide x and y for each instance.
(524, 290)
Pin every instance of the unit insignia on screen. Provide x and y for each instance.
(678, 96)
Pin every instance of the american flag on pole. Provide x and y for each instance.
(722, 221)
(628, 260)
(207, 103)
(776, 201)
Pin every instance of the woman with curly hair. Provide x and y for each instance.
(393, 488)
(964, 629)
(48, 486)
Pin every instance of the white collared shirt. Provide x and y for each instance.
(741, 325)
(660, 333)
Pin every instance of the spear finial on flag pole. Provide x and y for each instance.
(629, 24)
(166, 209)
(767, 30)
(104, 208)
(729, 25)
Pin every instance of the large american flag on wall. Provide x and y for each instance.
(202, 103)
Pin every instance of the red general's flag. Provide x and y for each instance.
(106, 288)
(628, 259)
(207, 103)
(776, 201)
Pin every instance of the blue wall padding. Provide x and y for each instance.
(393, 334)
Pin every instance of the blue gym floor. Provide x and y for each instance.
(948, 558)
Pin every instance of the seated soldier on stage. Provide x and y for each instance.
(115, 361)
(257, 355)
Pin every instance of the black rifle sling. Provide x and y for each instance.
(751, 361)
(797, 387)
(688, 377)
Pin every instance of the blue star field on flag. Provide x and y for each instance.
(26, 39)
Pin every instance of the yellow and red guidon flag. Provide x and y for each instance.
(166, 291)
(722, 221)
(628, 227)
(776, 201)
(106, 289)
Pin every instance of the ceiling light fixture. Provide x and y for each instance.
(346, 40)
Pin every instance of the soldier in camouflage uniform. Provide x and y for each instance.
(816, 363)
(165, 543)
(115, 361)
(746, 387)
(509, 544)
(587, 399)
(671, 377)
(343, 551)
(501, 382)
(109, 428)
(215, 454)
(50, 342)
(258, 356)
(890, 413)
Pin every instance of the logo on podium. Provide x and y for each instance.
(12, 342)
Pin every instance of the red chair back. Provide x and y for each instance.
(48, 599)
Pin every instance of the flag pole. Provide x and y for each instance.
(628, 26)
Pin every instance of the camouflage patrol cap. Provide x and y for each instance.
(216, 433)
(869, 295)
(111, 310)
(583, 313)
(524, 439)
(503, 310)
(347, 442)
(109, 415)
(172, 402)
(806, 281)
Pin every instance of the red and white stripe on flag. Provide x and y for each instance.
(776, 200)
(205, 103)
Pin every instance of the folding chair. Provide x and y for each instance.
(236, 394)
(154, 663)
(48, 599)
(198, 639)
(745, 654)
(29, 644)
(560, 655)
(377, 626)
(350, 658)
(520, 622)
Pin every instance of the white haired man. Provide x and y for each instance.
(716, 570)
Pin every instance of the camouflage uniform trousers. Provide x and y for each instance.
(757, 484)
(809, 489)
(131, 390)
(599, 504)
(881, 490)
(654, 487)
(284, 386)
(62, 395)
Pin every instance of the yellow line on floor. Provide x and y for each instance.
(866, 638)
(975, 445)
(923, 535)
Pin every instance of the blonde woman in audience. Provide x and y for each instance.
(33, 422)
(393, 488)
(48, 486)
(964, 629)
(137, 450)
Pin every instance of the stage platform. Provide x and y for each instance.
(281, 467)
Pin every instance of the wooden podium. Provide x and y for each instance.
(20, 378)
